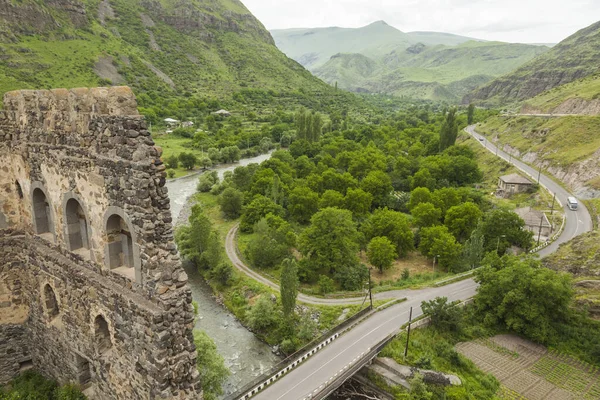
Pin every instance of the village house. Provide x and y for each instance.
(513, 183)
(533, 219)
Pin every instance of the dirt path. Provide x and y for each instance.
(231, 251)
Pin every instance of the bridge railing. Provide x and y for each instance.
(293, 360)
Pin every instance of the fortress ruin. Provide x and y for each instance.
(91, 286)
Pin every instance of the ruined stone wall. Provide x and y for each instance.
(73, 163)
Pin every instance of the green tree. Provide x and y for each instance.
(444, 316)
(437, 242)
(462, 220)
(206, 181)
(263, 314)
(331, 240)
(470, 113)
(231, 202)
(211, 366)
(503, 228)
(187, 160)
(331, 198)
(302, 204)
(419, 195)
(473, 250)
(358, 201)
(393, 225)
(257, 209)
(445, 198)
(524, 298)
(205, 162)
(426, 214)
(326, 284)
(214, 154)
(379, 185)
(222, 273)
(418, 388)
(172, 161)
(193, 239)
(268, 247)
(449, 130)
(381, 253)
(289, 285)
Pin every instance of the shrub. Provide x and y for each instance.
(326, 284)
(187, 160)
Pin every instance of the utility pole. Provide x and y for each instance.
(552, 213)
(370, 293)
(540, 231)
(434, 263)
(539, 173)
(408, 334)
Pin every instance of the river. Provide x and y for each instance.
(245, 355)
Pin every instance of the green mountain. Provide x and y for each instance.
(163, 49)
(574, 58)
(379, 58)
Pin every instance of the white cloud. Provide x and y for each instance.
(529, 21)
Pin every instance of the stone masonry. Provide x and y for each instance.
(91, 286)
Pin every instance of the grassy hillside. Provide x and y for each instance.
(574, 58)
(566, 146)
(169, 51)
(581, 97)
(429, 72)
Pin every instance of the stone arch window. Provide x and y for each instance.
(50, 302)
(19, 189)
(120, 243)
(77, 226)
(42, 213)
(102, 334)
(122, 253)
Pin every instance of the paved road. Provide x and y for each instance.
(317, 370)
(577, 222)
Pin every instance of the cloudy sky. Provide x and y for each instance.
(525, 21)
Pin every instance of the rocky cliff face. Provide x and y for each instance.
(574, 58)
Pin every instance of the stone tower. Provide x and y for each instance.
(91, 286)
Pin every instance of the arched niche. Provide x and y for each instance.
(122, 253)
(102, 338)
(50, 302)
(42, 212)
(77, 226)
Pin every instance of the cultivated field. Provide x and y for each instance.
(529, 371)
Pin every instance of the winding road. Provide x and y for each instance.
(577, 222)
(308, 379)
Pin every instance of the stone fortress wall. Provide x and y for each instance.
(91, 286)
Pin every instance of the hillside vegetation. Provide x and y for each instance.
(578, 97)
(574, 58)
(381, 59)
(567, 147)
(175, 53)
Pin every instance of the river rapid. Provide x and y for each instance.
(245, 355)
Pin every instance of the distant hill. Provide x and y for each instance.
(574, 58)
(379, 58)
(163, 49)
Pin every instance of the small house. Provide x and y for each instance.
(513, 183)
(172, 123)
(187, 124)
(223, 113)
(533, 220)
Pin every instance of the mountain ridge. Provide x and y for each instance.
(574, 58)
